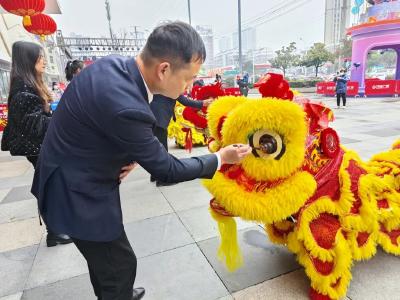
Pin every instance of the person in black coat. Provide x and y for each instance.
(163, 110)
(28, 111)
(100, 127)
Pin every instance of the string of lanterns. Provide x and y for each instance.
(34, 21)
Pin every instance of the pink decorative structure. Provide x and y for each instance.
(380, 29)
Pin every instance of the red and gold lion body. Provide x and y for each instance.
(314, 196)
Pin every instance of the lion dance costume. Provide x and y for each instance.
(190, 127)
(314, 196)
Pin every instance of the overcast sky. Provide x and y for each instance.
(303, 25)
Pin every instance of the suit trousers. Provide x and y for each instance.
(162, 135)
(112, 267)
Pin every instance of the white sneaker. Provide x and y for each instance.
(337, 107)
(344, 107)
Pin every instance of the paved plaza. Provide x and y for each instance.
(175, 238)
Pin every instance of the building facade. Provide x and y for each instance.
(249, 41)
(337, 20)
(207, 36)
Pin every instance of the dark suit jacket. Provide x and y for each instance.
(163, 108)
(102, 123)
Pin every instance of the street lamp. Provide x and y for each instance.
(190, 16)
(240, 36)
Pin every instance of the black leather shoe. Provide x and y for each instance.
(160, 183)
(152, 179)
(138, 293)
(57, 239)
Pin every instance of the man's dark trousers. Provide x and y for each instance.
(162, 135)
(112, 267)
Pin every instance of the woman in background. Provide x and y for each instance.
(28, 111)
(73, 68)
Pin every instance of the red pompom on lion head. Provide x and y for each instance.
(208, 91)
(274, 85)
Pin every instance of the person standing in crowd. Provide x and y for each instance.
(163, 110)
(243, 84)
(100, 127)
(73, 68)
(341, 87)
(218, 78)
(29, 111)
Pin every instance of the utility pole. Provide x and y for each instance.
(109, 19)
(240, 36)
(190, 16)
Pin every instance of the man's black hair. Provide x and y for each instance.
(176, 42)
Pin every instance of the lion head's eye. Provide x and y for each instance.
(267, 144)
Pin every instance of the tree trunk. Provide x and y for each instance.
(316, 71)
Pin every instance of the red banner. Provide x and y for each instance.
(3, 116)
(232, 92)
(321, 88)
(398, 87)
(329, 88)
(380, 87)
(352, 88)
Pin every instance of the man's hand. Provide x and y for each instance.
(234, 154)
(208, 101)
(126, 170)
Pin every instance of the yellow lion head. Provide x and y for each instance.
(268, 185)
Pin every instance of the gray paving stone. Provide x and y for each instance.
(186, 195)
(262, 260)
(12, 297)
(54, 264)
(202, 226)
(20, 210)
(182, 273)
(3, 193)
(139, 204)
(157, 235)
(291, 286)
(11, 158)
(377, 278)
(14, 269)
(229, 297)
(78, 288)
(19, 193)
(384, 132)
(10, 182)
(137, 174)
(348, 141)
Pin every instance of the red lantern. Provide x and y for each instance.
(42, 25)
(24, 8)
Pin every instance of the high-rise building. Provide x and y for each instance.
(207, 35)
(337, 20)
(248, 39)
(224, 44)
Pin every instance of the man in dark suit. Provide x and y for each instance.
(103, 123)
(163, 110)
